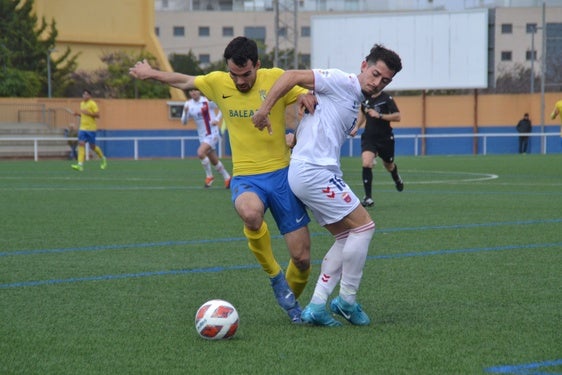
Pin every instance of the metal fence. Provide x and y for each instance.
(22, 113)
(186, 146)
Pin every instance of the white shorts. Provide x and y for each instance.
(211, 139)
(322, 190)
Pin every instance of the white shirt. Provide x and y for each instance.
(203, 113)
(321, 135)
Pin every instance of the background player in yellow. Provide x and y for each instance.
(557, 111)
(89, 112)
(260, 161)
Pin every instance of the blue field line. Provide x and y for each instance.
(250, 266)
(235, 239)
(125, 276)
(460, 251)
(539, 368)
(120, 247)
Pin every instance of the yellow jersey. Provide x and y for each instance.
(88, 123)
(558, 106)
(253, 151)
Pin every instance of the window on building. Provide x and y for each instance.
(304, 60)
(531, 28)
(228, 31)
(157, 31)
(305, 31)
(179, 31)
(531, 55)
(282, 32)
(507, 28)
(351, 5)
(204, 31)
(256, 33)
(506, 56)
(204, 58)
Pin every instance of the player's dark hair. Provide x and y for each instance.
(240, 50)
(389, 57)
(88, 91)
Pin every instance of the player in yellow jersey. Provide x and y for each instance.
(260, 161)
(89, 112)
(557, 111)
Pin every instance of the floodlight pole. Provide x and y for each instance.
(49, 91)
(533, 55)
(543, 73)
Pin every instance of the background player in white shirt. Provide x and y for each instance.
(208, 119)
(316, 178)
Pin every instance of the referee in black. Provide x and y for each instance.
(377, 112)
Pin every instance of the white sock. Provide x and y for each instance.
(207, 166)
(354, 255)
(220, 168)
(330, 271)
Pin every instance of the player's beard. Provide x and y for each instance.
(243, 88)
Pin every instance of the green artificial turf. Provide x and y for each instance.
(101, 272)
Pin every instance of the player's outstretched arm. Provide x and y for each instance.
(288, 80)
(142, 70)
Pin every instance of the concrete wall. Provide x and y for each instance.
(503, 110)
(94, 28)
(420, 115)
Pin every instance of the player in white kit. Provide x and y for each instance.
(316, 178)
(208, 119)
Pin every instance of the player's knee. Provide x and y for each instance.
(251, 218)
(302, 262)
(300, 254)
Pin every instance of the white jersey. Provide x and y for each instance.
(204, 113)
(339, 98)
(314, 173)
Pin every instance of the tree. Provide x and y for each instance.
(25, 47)
(286, 59)
(115, 80)
(516, 80)
(186, 64)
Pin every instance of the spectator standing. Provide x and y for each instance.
(524, 126)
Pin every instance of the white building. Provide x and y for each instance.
(204, 27)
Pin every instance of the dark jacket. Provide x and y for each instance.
(524, 126)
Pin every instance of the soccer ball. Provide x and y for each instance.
(216, 319)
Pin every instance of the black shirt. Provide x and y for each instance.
(383, 104)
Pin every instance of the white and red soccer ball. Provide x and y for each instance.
(216, 319)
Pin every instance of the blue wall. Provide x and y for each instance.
(150, 148)
(404, 146)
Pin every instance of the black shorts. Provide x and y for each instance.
(383, 147)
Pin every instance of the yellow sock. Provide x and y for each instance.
(81, 154)
(98, 151)
(260, 243)
(296, 278)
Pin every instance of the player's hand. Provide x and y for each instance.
(354, 131)
(307, 103)
(141, 70)
(261, 121)
(371, 112)
(290, 140)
